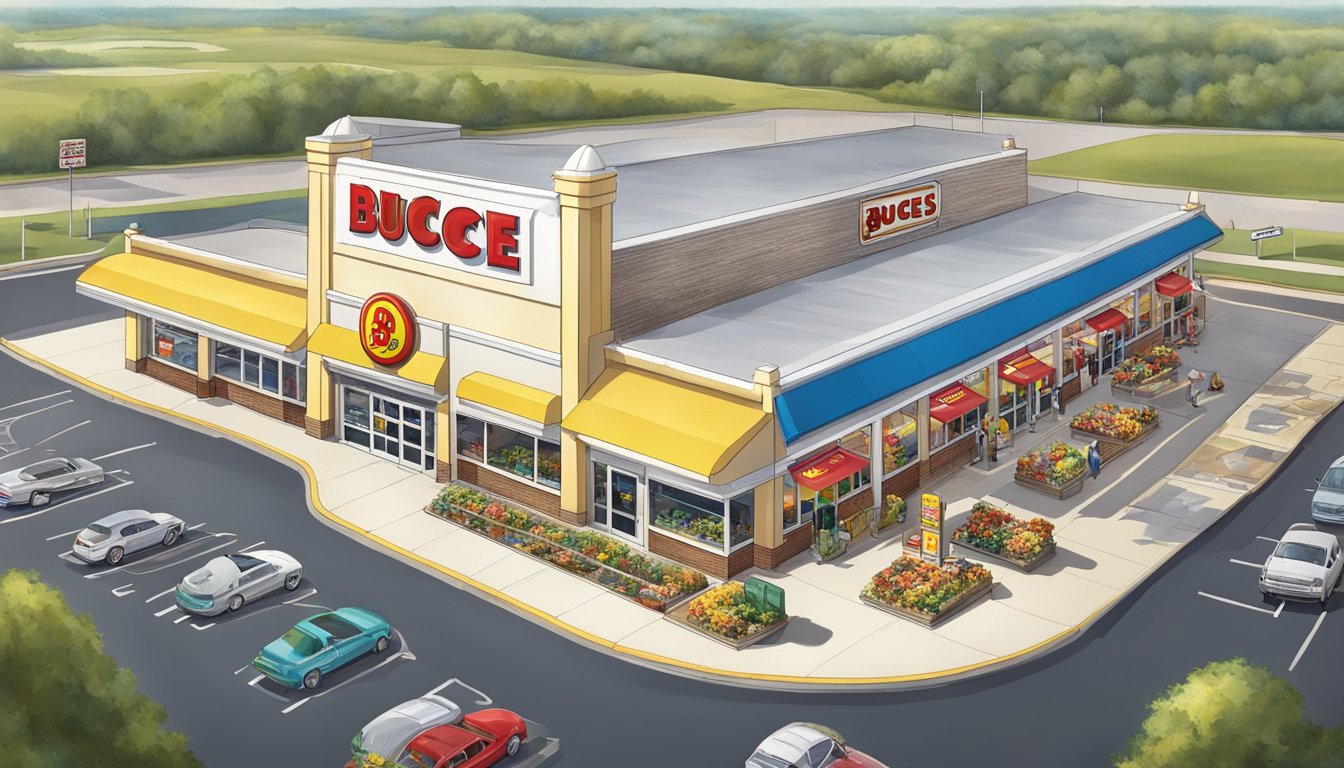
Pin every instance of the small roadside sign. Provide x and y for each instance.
(1261, 234)
(71, 153)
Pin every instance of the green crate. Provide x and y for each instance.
(764, 596)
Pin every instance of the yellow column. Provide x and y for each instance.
(323, 152)
(205, 351)
(587, 189)
(768, 526)
(135, 350)
(445, 435)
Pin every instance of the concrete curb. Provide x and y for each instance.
(32, 265)
(791, 683)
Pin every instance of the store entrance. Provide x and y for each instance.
(1110, 350)
(400, 431)
(616, 502)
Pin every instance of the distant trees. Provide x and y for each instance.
(1229, 713)
(269, 112)
(13, 57)
(63, 702)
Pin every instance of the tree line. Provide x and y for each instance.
(14, 57)
(270, 112)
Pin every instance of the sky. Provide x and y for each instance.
(650, 3)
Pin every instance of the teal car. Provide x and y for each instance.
(322, 644)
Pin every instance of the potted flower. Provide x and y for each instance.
(926, 593)
(994, 532)
(1056, 469)
(827, 545)
(893, 512)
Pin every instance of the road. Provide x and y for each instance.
(1075, 707)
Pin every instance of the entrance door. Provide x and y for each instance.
(616, 502)
(398, 431)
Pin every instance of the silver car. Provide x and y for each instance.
(1327, 505)
(388, 734)
(225, 583)
(1306, 565)
(34, 484)
(117, 535)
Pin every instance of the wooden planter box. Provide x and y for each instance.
(1027, 566)
(1058, 491)
(1144, 431)
(952, 608)
(1151, 387)
(678, 615)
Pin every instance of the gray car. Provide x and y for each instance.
(225, 583)
(34, 484)
(389, 733)
(1327, 505)
(117, 535)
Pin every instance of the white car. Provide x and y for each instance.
(1306, 565)
(1327, 504)
(388, 734)
(225, 583)
(120, 534)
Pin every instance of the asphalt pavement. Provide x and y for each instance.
(1075, 707)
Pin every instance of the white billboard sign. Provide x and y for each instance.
(71, 154)
(899, 211)
(1261, 234)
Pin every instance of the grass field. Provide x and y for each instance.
(1313, 246)
(47, 233)
(42, 96)
(1301, 167)
(1269, 276)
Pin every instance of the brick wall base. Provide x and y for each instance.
(795, 542)
(136, 365)
(318, 428)
(1145, 342)
(515, 490)
(904, 484)
(946, 461)
(1072, 388)
(716, 565)
(281, 410)
(173, 377)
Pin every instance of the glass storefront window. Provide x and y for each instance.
(599, 493)
(511, 451)
(689, 515)
(858, 442)
(741, 518)
(1145, 309)
(355, 416)
(268, 374)
(548, 463)
(790, 503)
(900, 440)
(228, 361)
(174, 345)
(252, 368)
(470, 437)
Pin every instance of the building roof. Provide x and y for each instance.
(275, 245)
(668, 183)
(821, 321)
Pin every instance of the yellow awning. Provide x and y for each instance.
(343, 344)
(511, 397)
(676, 423)
(228, 302)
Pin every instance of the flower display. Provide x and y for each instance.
(1137, 369)
(996, 531)
(1056, 464)
(917, 585)
(724, 610)
(590, 554)
(1111, 420)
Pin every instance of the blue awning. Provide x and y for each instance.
(843, 391)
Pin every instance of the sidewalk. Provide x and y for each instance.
(1287, 266)
(1283, 374)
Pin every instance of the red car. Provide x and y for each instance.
(480, 740)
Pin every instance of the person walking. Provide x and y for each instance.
(1093, 459)
(1196, 385)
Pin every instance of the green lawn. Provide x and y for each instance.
(47, 233)
(1313, 246)
(1304, 280)
(1302, 167)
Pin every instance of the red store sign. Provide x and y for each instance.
(895, 212)
(431, 223)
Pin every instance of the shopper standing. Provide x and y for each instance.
(1196, 385)
(1093, 459)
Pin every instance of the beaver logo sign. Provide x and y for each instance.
(899, 211)
(387, 329)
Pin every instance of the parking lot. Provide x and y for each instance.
(224, 512)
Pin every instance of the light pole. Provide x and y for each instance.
(1101, 114)
(23, 239)
(982, 110)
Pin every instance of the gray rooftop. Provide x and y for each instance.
(674, 182)
(818, 321)
(276, 245)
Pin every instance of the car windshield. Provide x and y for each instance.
(95, 532)
(303, 643)
(762, 760)
(1334, 479)
(335, 626)
(245, 563)
(412, 759)
(1292, 550)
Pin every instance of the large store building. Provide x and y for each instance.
(699, 353)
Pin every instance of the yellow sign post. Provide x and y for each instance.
(931, 509)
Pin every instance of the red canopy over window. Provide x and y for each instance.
(1111, 318)
(1022, 368)
(956, 400)
(828, 469)
(1172, 284)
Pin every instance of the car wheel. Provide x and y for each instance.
(235, 602)
(114, 555)
(381, 645)
(38, 499)
(292, 581)
(512, 747)
(170, 538)
(312, 679)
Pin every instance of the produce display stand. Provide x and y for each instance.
(1050, 489)
(1026, 566)
(1114, 447)
(678, 615)
(1154, 386)
(951, 608)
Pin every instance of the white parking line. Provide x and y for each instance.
(122, 591)
(1243, 562)
(161, 594)
(110, 571)
(198, 525)
(254, 680)
(49, 508)
(184, 618)
(487, 700)
(1307, 642)
(165, 611)
(1234, 602)
(34, 400)
(243, 669)
(118, 453)
(13, 419)
(1279, 610)
(69, 557)
(304, 596)
(258, 544)
(62, 432)
(63, 535)
(199, 627)
(1266, 538)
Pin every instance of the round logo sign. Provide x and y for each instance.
(387, 329)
